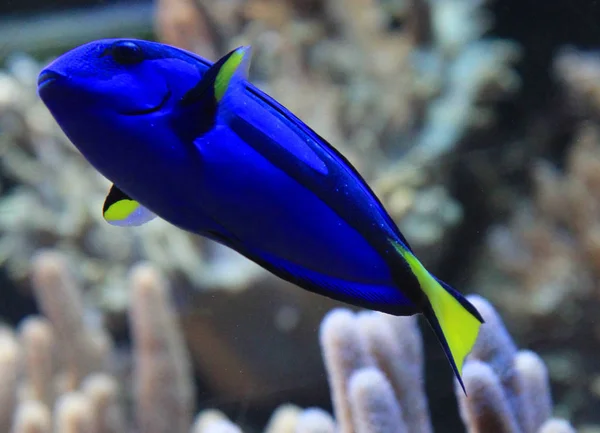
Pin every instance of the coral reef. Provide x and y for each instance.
(62, 372)
(397, 86)
(375, 369)
(551, 247)
(508, 390)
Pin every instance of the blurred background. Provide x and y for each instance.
(476, 122)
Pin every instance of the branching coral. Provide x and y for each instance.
(164, 392)
(508, 390)
(62, 372)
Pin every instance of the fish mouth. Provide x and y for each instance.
(150, 110)
(46, 78)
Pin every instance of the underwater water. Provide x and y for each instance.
(475, 123)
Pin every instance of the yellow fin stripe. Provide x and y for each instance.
(226, 72)
(459, 326)
(121, 210)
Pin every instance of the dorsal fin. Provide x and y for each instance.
(121, 210)
(221, 75)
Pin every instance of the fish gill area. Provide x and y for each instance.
(479, 133)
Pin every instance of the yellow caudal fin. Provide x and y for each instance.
(454, 320)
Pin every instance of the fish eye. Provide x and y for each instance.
(126, 53)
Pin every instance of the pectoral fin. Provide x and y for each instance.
(121, 210)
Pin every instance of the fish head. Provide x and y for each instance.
(125, 76)
(113, 98)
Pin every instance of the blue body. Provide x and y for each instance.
(250, 175)
(199, 146)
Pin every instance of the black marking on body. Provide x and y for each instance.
(205, 89)
(199, 105)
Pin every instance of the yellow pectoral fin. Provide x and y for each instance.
(456, 322)
(121, 210)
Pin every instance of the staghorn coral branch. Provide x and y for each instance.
(557, 426)
(32, 417)
(102, 390)
(284, 419)
(37, 339)
(315, 420)
(397, 348)
(74, 414)
(163, 388)
(220, 426)
(374, 405)
(60, 300)
(486, 408)
(10, 360)
(344, 351)
(205, 419)
(495, 347)
(536, 388)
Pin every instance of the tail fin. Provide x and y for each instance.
(454, 320)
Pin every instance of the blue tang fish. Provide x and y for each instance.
(194, 143)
